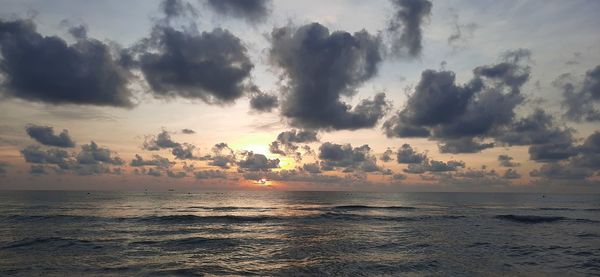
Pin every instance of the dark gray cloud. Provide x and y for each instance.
(257, 162)
(462, 116)
(312, 168)
(211, 66)
(511, 174)
(297, 136)
(405, 28)
(156, 160)
(45, 135)
(210, 174)
(433, 166)
(581, 100)
(154, 172)
(94, 154)
(3, 167)
(286, 143)
(161, 141)
(321, 67)
(536, 128)
(181, 151)
(399, 177)
(571, 162)
(550, 152)
(224, 157)
(476, 174)
(264, 102)
(187, 131)
(463, 145)
(507, 161)
(589, 153)
(337, 155)
(222, 161)
(561, 171)
(90, 160)
(253, 11)
(176, 174)
(47, 69)
(387, 155)
(33, 154)
(407, 155)
(37, 169)
(176, 8)
(347, 158)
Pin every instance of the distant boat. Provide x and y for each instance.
(171, 190)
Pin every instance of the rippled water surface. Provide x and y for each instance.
(297, 233)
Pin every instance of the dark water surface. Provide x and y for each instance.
(297, 233)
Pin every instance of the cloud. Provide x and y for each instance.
(155, 172)
(405, 28)
(459, 116)
(156, 160)
(433, 166)
(463, 145)
(312, 168)
(210, 174)
(263, 102)
(581, 100)
(47, 69)
(91, 159)
(476, 173)
(253, 11)
(161, 141)
(45, 135)
(210, 66)
(33, 154)
(461, 33)
(37, 169)
(177, 175)
(507, 161)
(93, 154)
(3, 167)
(286, 143)
(257, 162)
(536, 128)
(321, 67)
(176, 8)
(187, 131)
(387, 155)
(407, 155)
(563, 172)
(511, 174)
(181, 151)
(224, 156)
(346, 157)
(571, 162)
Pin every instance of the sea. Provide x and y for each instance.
(270, 233)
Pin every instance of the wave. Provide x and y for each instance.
(365, 207)
(556, 209)
(59, 217)
(187, 242)
(344, 216)
(188, 218)
(532, 219)
(230, 208)
(49, 241)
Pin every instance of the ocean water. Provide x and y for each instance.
(55, 233)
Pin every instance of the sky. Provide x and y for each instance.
(388, 95)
